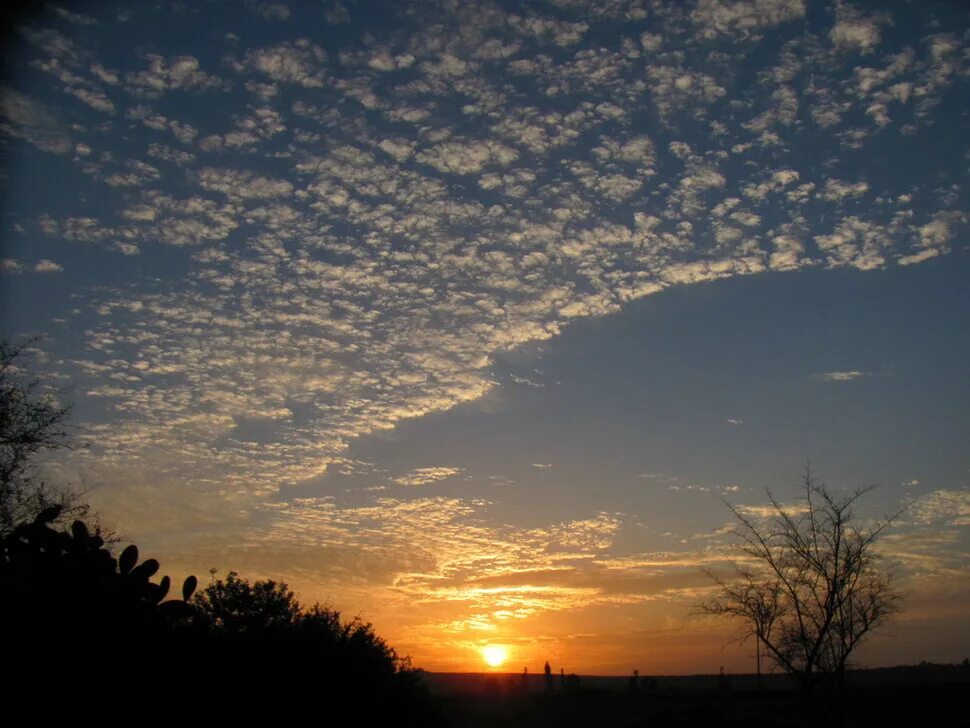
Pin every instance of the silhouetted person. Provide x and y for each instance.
(562, 678)
(525, 679)
(635, 682)
(548, 671)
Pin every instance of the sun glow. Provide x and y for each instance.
(495, 655)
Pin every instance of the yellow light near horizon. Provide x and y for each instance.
(495, 655)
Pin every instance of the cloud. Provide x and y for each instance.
(24, 118)
(76, 18)
(136, 174)
(855, 31)
(934, 236)
(425, 476)
(835, 190)
(299, 62)
(526, 381)
(184, 132)
(856, 242)
(841, 376)
(559, 32)
(242, 185)
(768, 511)
(941, 508)
(744, 18)
(360, 231)
(47, 266)
(171, 74)
(270, 10)
(467, 156)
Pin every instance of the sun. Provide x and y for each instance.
(495, 655)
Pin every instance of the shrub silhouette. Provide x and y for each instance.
(234, 605)
(72, 614)
(64, 587)
(305, 663)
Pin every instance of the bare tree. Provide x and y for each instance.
(32, 420)
(810, 586)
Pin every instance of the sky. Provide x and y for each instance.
(468, 317)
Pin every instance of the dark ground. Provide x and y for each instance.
(930, 695)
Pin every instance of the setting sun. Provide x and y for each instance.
(495, 655)
(489, 320)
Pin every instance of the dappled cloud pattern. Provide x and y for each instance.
(321, 235)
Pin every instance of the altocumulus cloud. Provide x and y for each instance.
(347, 223)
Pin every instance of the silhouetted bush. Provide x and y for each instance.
(97, 633)
(305, 663)
(64, 588)
(32, 422)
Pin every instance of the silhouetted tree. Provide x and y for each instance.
(814, 588)
(234, 605)
(305, 663)
(70, 612)
(243, 652)
(32, 420)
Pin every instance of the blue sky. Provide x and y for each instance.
(468, 314)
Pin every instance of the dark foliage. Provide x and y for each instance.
(306, 663)
(32, 420)
(65, 589)
(98, 632)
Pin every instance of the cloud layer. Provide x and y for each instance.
(340, 232)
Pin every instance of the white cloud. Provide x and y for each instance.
(460, 156)
(941, 507)
(836, 190)
(744, 18)
(135, 174)
(787, 253)
(854, 30)
(360, 238)
(27, 119)
(426, 476)
(856, 242)
(559, 32)
(47, 266)
(170, 74)
(299, 62)
(242, 184)
(842, 376)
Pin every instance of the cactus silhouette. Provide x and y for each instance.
(65, 593)
(188, 587)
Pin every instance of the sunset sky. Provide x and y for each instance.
(465, 316)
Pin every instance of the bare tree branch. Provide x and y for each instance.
(817, 590)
